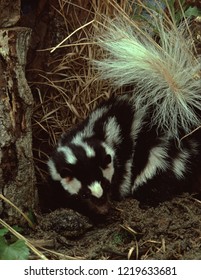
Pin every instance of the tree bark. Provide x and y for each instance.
(9, 12)
(17, 179)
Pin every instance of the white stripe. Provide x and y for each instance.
(157, 161)
(79, 142)
(125, 188)
(96, 115)
(87, 131)
(112, 131)
(180, 164)
(137, 124)
(69, 156)
(53, 171)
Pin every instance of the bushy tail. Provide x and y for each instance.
(166, 75)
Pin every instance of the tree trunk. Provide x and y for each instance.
(9, 12)
(17, 179)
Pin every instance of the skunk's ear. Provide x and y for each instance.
(107, 160)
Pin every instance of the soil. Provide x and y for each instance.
(172, 230)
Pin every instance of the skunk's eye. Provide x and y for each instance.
(85, 194)
(75, 196)
(107, 160)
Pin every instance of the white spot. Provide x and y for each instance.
(69, 156)
(157, 161)
(71, 185)
(96, 189)
(179, 164)
(53, 171)
(88, 150)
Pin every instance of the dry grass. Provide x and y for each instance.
(68, 89)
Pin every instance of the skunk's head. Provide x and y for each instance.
(84, 170)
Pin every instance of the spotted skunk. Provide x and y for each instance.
(135, 144)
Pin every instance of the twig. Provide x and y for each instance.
(71, 35)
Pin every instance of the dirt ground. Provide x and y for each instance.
(172, 230)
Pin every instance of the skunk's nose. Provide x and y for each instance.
(102, 209)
